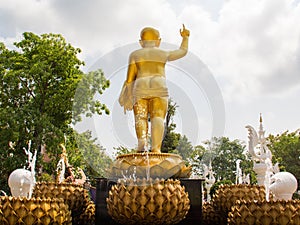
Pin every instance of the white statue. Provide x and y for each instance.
(284, 184)
(209, 178)
(258, 149)
(257, 144)
(267, 180)
(281, 184)
(246, 178)
(19, 182)
(239, 173)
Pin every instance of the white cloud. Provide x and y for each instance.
(252, 46)
(251, 43)
(255, 39)
(99, 26)
(20, 16)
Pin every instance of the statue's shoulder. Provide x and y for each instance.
(148, 53)
(136, 52)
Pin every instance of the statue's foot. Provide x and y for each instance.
(142, 150)
(155, 150)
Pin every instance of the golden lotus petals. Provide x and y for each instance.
(24, 211)
(265, 213)
(152, 202)
(75, 196)
(154, 165)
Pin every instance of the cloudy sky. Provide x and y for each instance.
(244, 58)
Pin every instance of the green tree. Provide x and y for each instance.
(38, 82)
(174, 142)
(286, 151)
(84, 102)
(225, 154)
(94, 160)
(82, 152)
(195, 159)
(185, 148)
(171, 138)
(121, 150)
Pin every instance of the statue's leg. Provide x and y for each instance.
(158, 111)
(141, 123)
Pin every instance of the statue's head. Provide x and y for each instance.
(150, 36)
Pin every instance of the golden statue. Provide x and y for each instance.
(145, 89)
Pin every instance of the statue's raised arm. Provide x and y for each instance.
(182, 51)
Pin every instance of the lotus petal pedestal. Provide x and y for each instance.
(24, 211)
(75, 196)
(153, 202)
(265, 213)
(154, 165)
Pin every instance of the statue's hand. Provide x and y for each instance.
(184, 32)
(126, 97)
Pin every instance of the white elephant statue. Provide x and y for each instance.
(283, 185)
(20, 182)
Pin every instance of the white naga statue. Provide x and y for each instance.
(281, 184)
(260, 153)
(258, 144)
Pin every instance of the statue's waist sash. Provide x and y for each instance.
(150, 93)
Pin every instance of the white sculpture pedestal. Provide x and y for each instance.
(260, 169)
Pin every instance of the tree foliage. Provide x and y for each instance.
(38, 82)
(94, 160)
(121, 150)
(224, 155)
(195, 160)
(286, 151)
(175, 142)
(84, 102)
(171, 138)
(184, 148)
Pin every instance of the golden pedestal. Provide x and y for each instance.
(145, 202)
(154, 165)
(24, 211)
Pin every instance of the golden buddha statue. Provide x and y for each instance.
(145, 89)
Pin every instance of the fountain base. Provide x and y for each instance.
(24, 211)
(192, 186)
(154, 165)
